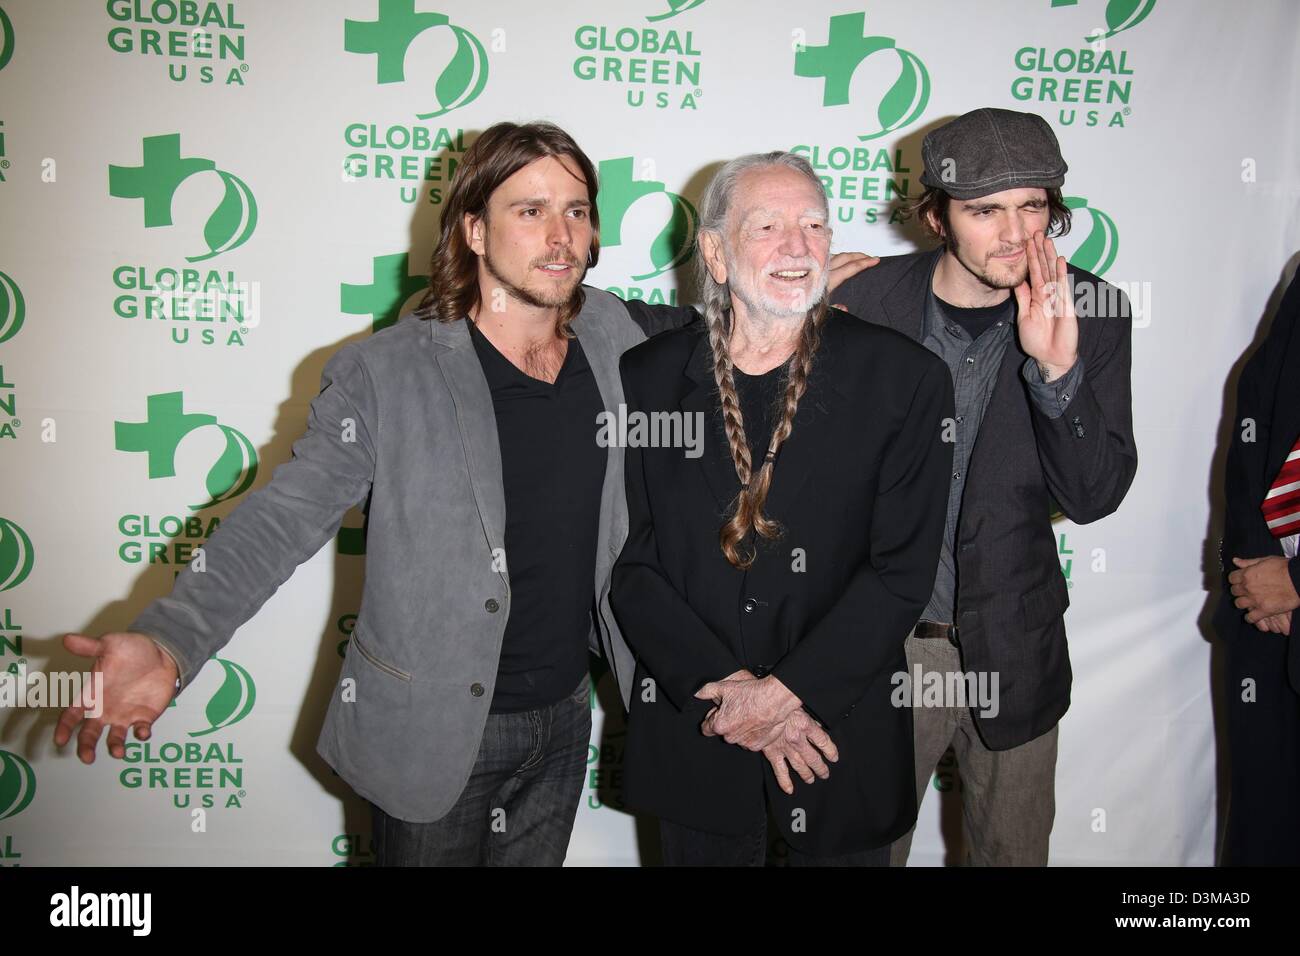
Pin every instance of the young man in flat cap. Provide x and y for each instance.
(1041, 379)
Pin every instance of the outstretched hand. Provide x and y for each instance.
(139, 679)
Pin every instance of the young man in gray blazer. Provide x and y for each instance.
(1043, 423)
(462, 713)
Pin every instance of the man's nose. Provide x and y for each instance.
(558, 233)
(1016, 232)
(794, 242)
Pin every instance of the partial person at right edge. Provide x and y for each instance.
(1254, 617)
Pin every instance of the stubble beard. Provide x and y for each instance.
(990, 279)
(558, 296)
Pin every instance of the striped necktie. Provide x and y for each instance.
(1281, 505)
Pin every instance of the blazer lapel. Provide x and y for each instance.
(1285, 419)
(904, 305)
(602, 355)
(477, 421)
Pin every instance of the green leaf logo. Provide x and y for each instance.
(12, 308)
(16, 555)
(906, 99)
(232, 222)
(674, 244)
(464, 77)
(1097, 252)
(234, 472)
(232, 701)
(1123, 15)
(17, 784)
(619, 191)
(675, 7)
(6, 39)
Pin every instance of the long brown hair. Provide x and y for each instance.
(746, 511)
(499, 152)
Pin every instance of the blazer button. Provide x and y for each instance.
(749, 605)
(492, 606)
(476, 689)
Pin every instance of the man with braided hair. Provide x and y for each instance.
(767, 584)
(471, 426)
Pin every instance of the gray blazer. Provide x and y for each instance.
(405, 416)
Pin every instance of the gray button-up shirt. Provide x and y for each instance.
(974, 366)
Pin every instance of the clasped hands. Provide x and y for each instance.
(762, 714)
(1262, 588)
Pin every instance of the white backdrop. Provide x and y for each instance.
(295, 176)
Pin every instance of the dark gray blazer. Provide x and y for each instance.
(1011, 595)
(426, 643)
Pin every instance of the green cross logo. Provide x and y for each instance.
(233, 700)
(17, 784)
(846, 48)
(1098, 250)
(12, 308)
(675, 7)
(6, 39)
(156, 180)
(16, 555)
(1121, 15)
(389, 37)
(383, 298)
(619, 191)
(160, 435)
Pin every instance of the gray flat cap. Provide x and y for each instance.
(989, 150)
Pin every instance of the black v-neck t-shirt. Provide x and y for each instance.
(553, 471)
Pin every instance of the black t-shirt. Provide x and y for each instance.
(553, 471)
(978, 320)
(758, 395)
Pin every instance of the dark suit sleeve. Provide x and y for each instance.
(654, 319)
(1088, 454)
(831, 668)
(681, 652)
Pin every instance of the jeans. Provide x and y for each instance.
(518, 807)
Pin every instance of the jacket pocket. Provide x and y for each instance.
(1046, 603)
(375, 661)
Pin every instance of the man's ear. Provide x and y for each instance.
(711, 249)
(935, 223)
(474, 228)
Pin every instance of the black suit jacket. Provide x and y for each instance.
(859, 486)
(1011, 595)
(1269, 393)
